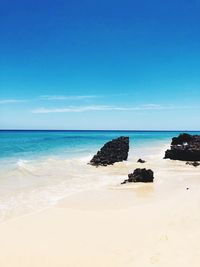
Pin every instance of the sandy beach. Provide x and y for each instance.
(138, 225)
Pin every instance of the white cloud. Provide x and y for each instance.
(63, 97)
(107, 108)
(72, 109)
(152, 106)
(12, 101)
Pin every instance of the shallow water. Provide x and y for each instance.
(37, 168)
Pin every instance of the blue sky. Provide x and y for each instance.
(100, 64)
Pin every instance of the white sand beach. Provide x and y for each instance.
(100, 133)
(137, 225)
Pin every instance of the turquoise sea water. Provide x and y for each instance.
(37, 168)
(34, 144)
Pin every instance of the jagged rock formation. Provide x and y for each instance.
(185, 147)
(140, 175)
(182, 138)
(113, 151)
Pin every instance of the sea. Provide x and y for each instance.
(38, 168)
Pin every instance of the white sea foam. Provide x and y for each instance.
(21, 162)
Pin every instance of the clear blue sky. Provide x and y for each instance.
(92, 64)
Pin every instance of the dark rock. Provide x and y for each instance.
(140, 176)
(194, 163)
(141, 161)
(185, 147)
(182, 138)
(113, 151)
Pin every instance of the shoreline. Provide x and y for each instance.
(94, 178)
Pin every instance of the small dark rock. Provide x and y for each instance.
(113, 151)
(187, 188)
(141, 161)
(140, 175)
(194, 163)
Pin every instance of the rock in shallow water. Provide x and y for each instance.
(113, 151)
(185, 147)
(140, 176)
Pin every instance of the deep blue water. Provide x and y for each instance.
(33, 144)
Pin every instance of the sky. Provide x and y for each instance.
(100, 64)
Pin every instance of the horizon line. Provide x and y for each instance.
(101, 130)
